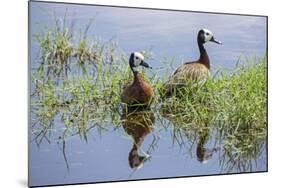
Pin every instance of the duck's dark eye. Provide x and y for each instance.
(207, 34)
(137, 57)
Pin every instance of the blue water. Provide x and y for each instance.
(169, 34)
(104, 157)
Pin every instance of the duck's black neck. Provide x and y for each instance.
(204, 58)
(201, 48)
(135, 71)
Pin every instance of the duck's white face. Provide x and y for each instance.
(138, 58)
(209, 36)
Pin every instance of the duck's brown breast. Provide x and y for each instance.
(137, 92)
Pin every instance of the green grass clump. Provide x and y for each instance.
(238, 98)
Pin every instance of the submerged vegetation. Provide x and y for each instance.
(78, 83)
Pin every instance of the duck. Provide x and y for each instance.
(137, 92)
(194, 71)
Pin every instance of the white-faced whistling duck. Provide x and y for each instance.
(137, 92)
(192, 71)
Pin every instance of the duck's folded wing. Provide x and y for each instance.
(190, 72)
(186, 73)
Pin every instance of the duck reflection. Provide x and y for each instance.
(204, 154)
(200, 133)
(138, 125)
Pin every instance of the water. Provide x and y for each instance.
(105, 155)
(167, 34)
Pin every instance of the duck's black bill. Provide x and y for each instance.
(145, 65)
(215, 41)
